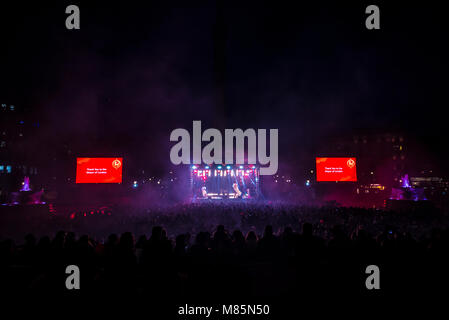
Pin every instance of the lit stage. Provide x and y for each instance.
(224, 182)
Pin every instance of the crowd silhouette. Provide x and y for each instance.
(298, 250)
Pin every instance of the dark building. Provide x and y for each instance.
(435, 188)
(382, 158)
(17, 145)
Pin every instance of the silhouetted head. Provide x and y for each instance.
(288, 230)
(156, 233)
(163, 234)
(307, 229)
(127, 240)
(84, 241)
(251, 236)
(203, 238)
(142, 240)
(112, 239)
(268, 231)
(30, 240)
(181, 241)
(44, 242)
(337, 232)
(237, 236)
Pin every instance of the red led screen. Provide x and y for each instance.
(99, 170)
(336, 169)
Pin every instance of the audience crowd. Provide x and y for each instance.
(220, 250)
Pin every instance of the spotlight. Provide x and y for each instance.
(240, 167)
(228, 167)
(207, 167)
(194, 167)
(219, 167)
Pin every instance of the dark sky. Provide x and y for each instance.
(136, 71)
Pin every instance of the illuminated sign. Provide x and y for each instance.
(336, 169)
(99, 170)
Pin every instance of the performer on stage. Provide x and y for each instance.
(204, 192)
(238, 193)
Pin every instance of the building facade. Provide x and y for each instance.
(17, 144)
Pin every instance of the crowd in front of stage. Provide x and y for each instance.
(296, 247)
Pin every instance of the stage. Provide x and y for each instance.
(224, 182)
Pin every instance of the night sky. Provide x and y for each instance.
(136, 71)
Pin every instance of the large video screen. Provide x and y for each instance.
(336, 169)
(225, 182)
(99, 170)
